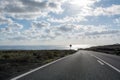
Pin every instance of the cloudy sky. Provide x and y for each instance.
(59, 22)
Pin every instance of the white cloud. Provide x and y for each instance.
(33, 9)
(25, 9)
(117, 21)
(106, 32)
(66, 28)
(63, 31)
(86, 31)
(112, 10)
(4, 20)
(67, 19)
(84, 3)
(11, 30)
(55, 19)
(40, 24)
(15, 26)
(98, 11)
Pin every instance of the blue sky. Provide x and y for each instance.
(59, 22)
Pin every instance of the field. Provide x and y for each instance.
(13, 63)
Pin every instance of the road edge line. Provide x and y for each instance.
(116, 69)
(100, 62)
(38, 68)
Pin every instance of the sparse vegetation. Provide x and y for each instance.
(109, 49)
(16, 62)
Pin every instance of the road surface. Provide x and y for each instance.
(83, 65)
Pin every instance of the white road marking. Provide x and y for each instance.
(107, 64)
(22, 75)
(100, 62)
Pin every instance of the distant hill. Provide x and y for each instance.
(110, 49)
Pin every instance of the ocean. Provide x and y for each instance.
(43, 47)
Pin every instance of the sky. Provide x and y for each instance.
(59, 22)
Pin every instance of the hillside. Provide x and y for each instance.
(110, 49)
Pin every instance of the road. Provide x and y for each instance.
(83, 65)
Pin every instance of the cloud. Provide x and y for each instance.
(112, 10)
(63, 31)
(11, 29)
(99, 11)
(40, 24)
(107, 32)
(117, 21)
(84, 3)
(37, 31)
(56, 20)
(66, 28)
(15, 26)
(86, 31)
(4, 20)
(77, 28)
(67, 19)
(11, 32)
(96, 11)
(33, 9)
(28, 9)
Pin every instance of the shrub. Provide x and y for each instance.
(6, 56)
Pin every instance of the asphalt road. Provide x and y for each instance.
(83, 65)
